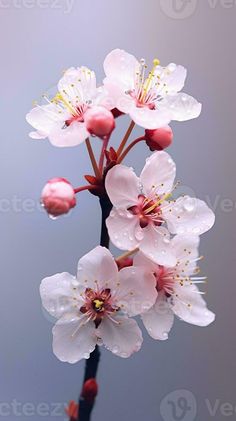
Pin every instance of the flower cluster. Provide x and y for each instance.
(157, 276)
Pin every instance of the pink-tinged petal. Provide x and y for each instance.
(158, 174)
(150, 119)
(72, 135)
(122, 228)
(121, 335)
(122, 186)
(46, 118)
(156, 246)
(57, 294)
(188, 215)
(182, 107)
(137, 291)
(173, 76)
(141, 260)
(185, 248)
(98, 268)
(120, 67)
(188, 305)
(159, 319)
(77, 82)
(73, 340)
(37, 135)
(117, 98)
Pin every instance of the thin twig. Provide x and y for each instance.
(127, 254)
(127, 150)
(126, 137)
(93, 159)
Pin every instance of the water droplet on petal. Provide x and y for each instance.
(115, 350)
(52, 217)
(165, 335)
(189, 205)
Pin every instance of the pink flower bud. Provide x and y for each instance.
(58, 197)
(124, 263)
(159, 139)
(99, 121)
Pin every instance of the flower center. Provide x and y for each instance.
(144, 92)
(165, 280)
(97, 304)
(148, 211)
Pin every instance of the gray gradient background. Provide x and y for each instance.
(37, 45)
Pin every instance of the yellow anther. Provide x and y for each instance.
(98, 304)
(156, 62)
(148, 81)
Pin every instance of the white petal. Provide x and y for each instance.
(142, 260)
(185, 248)
(149, 119)
(182, 107)
(46, 118)
(73, 341)
(37, 135)
(188, 216)
(137, 291)
(122, 186)
(122, 228)
(156, 246)
(72, 135)
(159, 319)
(122, 337)
(158, 174)
(120, 67)
(78, 85)
(57, 294)
(98, 265)
(189, 306)
(173, 76)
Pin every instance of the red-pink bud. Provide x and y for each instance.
(72, 410)
(124, 263)
(58, 197)
(99, 121)
(159, 139)
(90, 390)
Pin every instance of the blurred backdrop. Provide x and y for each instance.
(41, 38)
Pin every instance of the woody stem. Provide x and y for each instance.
(91, 367)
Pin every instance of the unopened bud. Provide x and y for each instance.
(58, 197)
(99, 121)
(124, 263)
(159, 139)
(72, 410)
(90, 390)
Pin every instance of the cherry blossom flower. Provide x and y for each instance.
(95, 308)
(143, 214)
(62, 119)
(177, 290)
(151, 102)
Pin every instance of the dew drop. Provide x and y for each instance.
(115, 350)
(139, 235)
(189, 205)
(171, 67)
(165, 335)
(52, 217)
